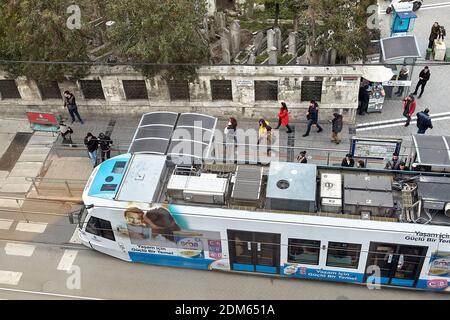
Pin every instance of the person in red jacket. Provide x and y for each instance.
(283, 117)
(409, 106)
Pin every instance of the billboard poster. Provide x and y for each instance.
(157, 232)
(440, 264)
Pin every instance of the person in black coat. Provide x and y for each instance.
(301, 158)
(424, 121)
(71, 105)
(363, 98)
(313, 117)
(336, 128)
(424, 76)
(105, 143)
(91, 143)
(348, 161)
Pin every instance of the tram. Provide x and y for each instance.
(294, 220)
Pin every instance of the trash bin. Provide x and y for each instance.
(428, 54)
(447, 55)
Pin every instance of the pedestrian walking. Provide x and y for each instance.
(361, 164)
(336, 127)
(66, 133)
(301, 158)
(313, 117)
(70, 104)
(394, 163)
(433, 34)
(230, 130)
(348, 161)
(409, 106)
(91, 143)
(105, 143)
(264, 131)
(424, 121)
(424, 76)
(402, 76)
(283, 117)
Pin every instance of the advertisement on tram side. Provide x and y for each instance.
(157, 237)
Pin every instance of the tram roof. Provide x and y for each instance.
(184, 137)
(432, 150)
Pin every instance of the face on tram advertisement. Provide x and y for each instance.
(160, 231)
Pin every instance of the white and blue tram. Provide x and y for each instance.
(287, 219)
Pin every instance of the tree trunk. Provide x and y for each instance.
(277, 14)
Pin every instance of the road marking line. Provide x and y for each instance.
(5, 224)
(75, 238)
(10, 277)
(37, 227)
(67, 260)
(19, 249)
(435, 5)
(436, 115)
(394, 125)
(49, 294)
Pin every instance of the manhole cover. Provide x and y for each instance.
(283, 184)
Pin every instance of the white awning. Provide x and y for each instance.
(377, 73)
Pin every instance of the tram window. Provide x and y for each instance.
(303, 251)
(101, 228)
(345, 255)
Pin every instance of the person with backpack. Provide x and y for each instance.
(336, 127)
(409, 106)
(66, 133)
(424, 121)
(70, 104)
(313, 117)
(264, 131)
(91, 143)
(283, 117)
(105, 143)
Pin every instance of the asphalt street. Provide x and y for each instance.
(104, 277)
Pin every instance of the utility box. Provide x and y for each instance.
(360, 202)
(291, 186)
(331, 192)
(363, 181)
(206, 188)
(332, 205)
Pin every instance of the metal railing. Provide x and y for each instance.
(72, 188)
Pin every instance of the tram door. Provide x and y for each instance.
(399, 264)
(254, 251)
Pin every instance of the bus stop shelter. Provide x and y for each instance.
(431, 153)
(398, 51)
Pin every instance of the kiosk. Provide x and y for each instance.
(403, 18)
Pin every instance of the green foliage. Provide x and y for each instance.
(159, 31)
(35, 30)
(343, 27)
(261, 58)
